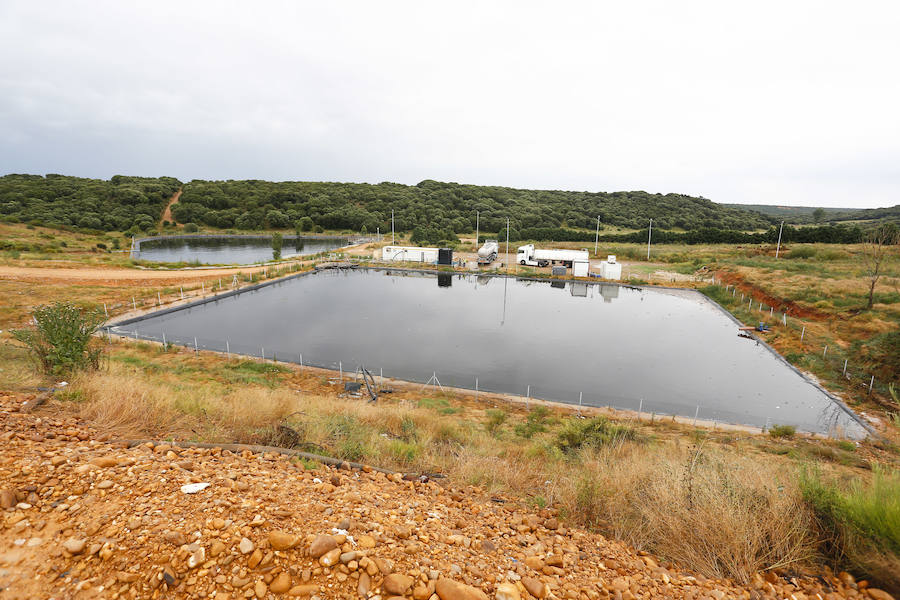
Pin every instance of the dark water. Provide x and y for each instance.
(670, 352)
(230, 249)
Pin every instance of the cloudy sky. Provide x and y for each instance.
(765, 102)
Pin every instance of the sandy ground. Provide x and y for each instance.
(167, 214)
(112, 275)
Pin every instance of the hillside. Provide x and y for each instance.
(800, 215)
(437, 209)
(85, 517)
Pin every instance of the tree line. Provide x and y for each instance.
(121, 203)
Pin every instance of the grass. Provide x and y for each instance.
(860, 521)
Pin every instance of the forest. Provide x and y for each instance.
(433, 212)
(120, 204)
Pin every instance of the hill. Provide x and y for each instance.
(799, 215)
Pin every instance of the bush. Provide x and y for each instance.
(496, 417)
(60, 339)
(535, 422)
(191, 228)
(599, 431)
(861, 523)
(782, 431)
(277, 245)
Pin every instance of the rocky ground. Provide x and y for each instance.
(84, 517)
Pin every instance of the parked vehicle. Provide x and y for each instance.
(488, 252)
(539, 257)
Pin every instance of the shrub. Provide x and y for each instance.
(191, 228)
(60, 338)
(404, 453)
(782, 431)
(277, 244)
(861, 523)
(535, 422)
(599, 431)
(496, 417)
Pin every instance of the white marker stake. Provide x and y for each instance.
(227, 350)
(158, 299)
(133, 303)
(802, 333)
(845, 367)
(106, 312)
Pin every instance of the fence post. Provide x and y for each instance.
(133, 303)
(182, 292)
(824, 352)
(262, 353)
(227, 350)
(871, 383)
(476, 388)
(106, 312)
(164, 340)
(341, 367)
(196, 347)
(802, 333)
(783, 318)
(845, 367)
(158, 299)
(696, 414)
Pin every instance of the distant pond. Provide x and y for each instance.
(229, 249)
(670, 352)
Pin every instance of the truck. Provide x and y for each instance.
(529, 255)
(488, 252)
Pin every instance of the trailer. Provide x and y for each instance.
(488, 252)
(410, 254)
(529, 255)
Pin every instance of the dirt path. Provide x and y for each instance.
(167, 214)
(98, 275)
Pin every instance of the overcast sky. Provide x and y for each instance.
(764, 102)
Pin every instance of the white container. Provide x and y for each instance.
(580, 268)
(409, 254)
(610, 270)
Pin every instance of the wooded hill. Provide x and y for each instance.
(119, 204)
(799, 215)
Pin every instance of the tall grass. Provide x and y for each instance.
(861, 522)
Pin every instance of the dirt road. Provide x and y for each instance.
(167, 214)
(100, 275)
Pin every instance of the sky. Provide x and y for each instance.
(789, 103)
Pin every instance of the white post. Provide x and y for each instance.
(341, 367)
(392, 227)
(182, 292)
(580, 396)
(203, 287)
(301, 361)
(824, 352)
(158, 299)
(528, 393)
(649, 234)
(227, 350)
(262, 353)
(871, 383)
(597, 236)
(845, 367)
(778, 248)
(802, 333)
(106, 312)
(477, 224)
(784, 318)
(133, 303)
(640, 408)
(196, 348)
(164, 340)
(696, 414)
(771, 311)
(476, 388)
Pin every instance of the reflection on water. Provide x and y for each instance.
(665, 351)
(230, 249)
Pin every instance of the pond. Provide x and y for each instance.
(665, 351)
(237, 249)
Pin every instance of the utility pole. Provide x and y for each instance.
(597, 237)
(778, 247)
(477, 215)
(392, 227)
(649, 233)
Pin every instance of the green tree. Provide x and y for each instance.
(277, 243)
(818, 215)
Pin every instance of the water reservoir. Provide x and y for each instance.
(663, 351)
(238, 249)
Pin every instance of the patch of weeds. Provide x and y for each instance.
(404, 453)
(588, 502)
(69, 395)
(440, 405)
(496, 417)
(535, 422)
(782, 431)
(596, 432)
(447, 435)
(351, 450)
(308, 464)
(847, 446)
(538, 502)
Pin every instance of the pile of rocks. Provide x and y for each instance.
(83, 517)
